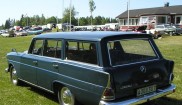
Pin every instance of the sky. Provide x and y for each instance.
(13, 9)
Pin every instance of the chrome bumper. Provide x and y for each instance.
(146, 98)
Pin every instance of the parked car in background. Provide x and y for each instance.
(178, 29)
(5, 34)
(159, 30)
(8, 34)
(166, 28)
(2, 31)
(46, 30)
(21, 33)
(35, 31)
(94, 68)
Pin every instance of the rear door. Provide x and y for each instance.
(136, 67)
(48, 67)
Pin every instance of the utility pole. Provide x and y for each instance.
(70, 13)
(27, 19)
(78, 17)
(128, 8)
(62, 9)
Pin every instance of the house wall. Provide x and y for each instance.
(150, 21)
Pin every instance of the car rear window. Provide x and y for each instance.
(130, 51)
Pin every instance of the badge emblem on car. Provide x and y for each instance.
(143, 69)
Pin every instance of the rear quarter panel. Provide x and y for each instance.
(87, 82)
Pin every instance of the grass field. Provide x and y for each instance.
(170, 46)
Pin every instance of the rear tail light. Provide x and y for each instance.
(108, 93)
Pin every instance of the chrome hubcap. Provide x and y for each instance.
(14, 76)
(67, 97)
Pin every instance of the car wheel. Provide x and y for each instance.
(65, 96)
(13, 76)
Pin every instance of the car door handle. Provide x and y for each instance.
(55, 66)
(35, 62)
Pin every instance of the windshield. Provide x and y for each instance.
(130, 51)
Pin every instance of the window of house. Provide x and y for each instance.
(121, 21)
(136, 21)
(161, 19)
(133, 21)
(130, 21)
(81, 51)
(143, 20)
(178, 20)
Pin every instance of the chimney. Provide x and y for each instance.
(166, 4)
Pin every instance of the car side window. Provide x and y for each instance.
(38, 47)
(81, 51)
(52, 48)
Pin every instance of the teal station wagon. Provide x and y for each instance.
(94, 68)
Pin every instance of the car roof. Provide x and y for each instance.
(88, 35)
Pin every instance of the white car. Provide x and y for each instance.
(178, 29)
(161, 29)
(21, 33)
(5, 34)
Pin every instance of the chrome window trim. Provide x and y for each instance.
(65, 61)
(133, 62)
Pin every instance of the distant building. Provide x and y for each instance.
(151, 16)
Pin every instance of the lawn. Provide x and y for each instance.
(170, 46)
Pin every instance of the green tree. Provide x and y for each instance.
(42, 20)
(92, 8)
(17, 23)
(97, 20)
(51, 20)
(66, 16)
(113, 21)
(2, 27)
(83, 21)
(7, 24)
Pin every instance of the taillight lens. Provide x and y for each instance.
(108, 94)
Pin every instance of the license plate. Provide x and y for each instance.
(146, 90)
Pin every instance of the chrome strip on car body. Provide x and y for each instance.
(59, 75)
(145, 98)
(36, 86)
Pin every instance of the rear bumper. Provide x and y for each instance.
(146, 98)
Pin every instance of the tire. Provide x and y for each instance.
(65, 96)
(13, 76)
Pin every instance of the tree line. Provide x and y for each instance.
(26, 20)
(41, 20)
